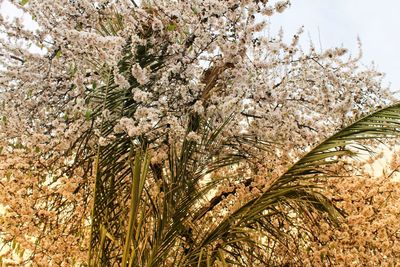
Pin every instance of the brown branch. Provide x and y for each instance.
(211, 77)
(13, 57)
(218, 199)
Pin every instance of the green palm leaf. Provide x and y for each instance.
(135, 223)
(293, 189)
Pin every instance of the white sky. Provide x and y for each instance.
(338, 23)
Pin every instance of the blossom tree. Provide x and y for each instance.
(370, 233)
(174, 133)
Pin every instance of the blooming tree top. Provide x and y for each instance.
(149, 72)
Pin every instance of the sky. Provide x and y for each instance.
(330, 23)
(339, 22)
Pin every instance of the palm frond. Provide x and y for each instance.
(294, 191)
(382, 124)
(147, 212)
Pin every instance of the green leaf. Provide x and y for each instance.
(23, 2)
(72, 69)
(58, 54)
(171, 27)
(195, 10)
(88, 114)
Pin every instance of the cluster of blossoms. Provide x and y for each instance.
(116, 70)
(370, 234)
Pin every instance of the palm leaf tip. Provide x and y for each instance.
(382, 124)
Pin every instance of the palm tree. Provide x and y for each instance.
(169, 213)
(161, 200)
(158, 214)
(167, 228)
